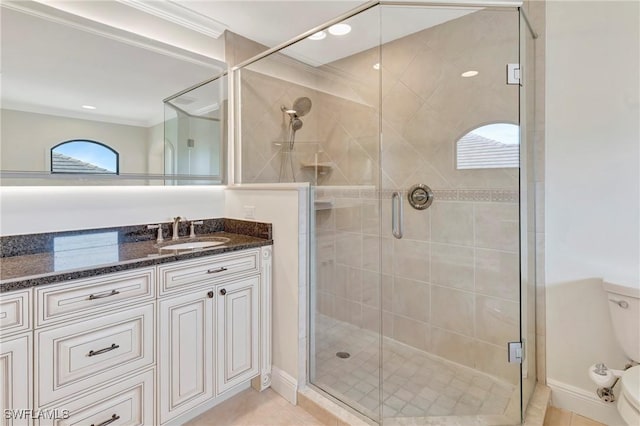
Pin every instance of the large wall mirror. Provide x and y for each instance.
(65, 78)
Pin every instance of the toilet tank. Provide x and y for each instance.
(624, 307)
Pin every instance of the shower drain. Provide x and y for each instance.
(343, 355)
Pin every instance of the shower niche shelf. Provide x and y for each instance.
(323, 203)
(322, 167)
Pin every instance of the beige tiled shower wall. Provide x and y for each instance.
(451, 285)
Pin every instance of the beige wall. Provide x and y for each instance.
(27, 139)
(592, 133)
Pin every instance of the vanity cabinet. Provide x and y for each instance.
(209, 338)
(147, 346)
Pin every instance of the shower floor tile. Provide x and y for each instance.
(416, 383)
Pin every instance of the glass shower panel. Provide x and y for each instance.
(195, 133)
(450, 284)
(310, 113)
(528, 208)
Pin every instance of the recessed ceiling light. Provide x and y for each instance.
(469, 74)
(88, 107)
(318, 36)
(340, 29)
(376, 66)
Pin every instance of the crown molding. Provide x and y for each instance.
(173, 12)
(52, 14)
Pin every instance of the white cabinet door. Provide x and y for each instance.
(237, 332)
(15, 380)
(185, 360)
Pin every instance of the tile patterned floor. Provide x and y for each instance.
(252, 408)
(558, 417)
(416, 384)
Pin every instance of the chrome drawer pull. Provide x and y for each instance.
(215, 271)
(101, 351)
(100, 296)
(106, 422)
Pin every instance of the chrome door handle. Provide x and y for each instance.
(100, 296)
(396, 215)
(101, 351)
(106, 422)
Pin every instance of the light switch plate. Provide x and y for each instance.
(249, 212)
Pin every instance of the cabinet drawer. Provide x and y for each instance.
(80, 356)
(15, 313)
(89, 296)
(129, 402)
(176, 276)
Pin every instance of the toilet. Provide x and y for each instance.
(624, 307)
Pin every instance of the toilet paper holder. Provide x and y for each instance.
(605, 379)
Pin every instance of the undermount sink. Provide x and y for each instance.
(194, 244)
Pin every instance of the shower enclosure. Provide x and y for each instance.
(195, 132)
(419, 151)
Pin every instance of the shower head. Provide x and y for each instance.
(296, 124)
(302, 106)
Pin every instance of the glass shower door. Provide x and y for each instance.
(344, 306)
(450, 270)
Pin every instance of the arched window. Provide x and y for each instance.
(84, 156)
(489, 147)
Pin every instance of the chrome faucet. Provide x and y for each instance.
(176, 223)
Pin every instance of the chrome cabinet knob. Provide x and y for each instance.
(223, 292)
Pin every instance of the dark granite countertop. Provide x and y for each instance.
(100, 253)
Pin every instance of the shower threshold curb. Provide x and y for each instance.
(330, 412)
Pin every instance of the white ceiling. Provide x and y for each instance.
(100, 55)
(53, 68)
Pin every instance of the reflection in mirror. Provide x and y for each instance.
(66, 78)
(80, 156)
(194, 131)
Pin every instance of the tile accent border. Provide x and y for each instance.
(497, 195)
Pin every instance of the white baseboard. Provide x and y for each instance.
(284, 385)
(585, 403)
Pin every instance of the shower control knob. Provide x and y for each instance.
(223, 292)
(210, 295)
(420, 196)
